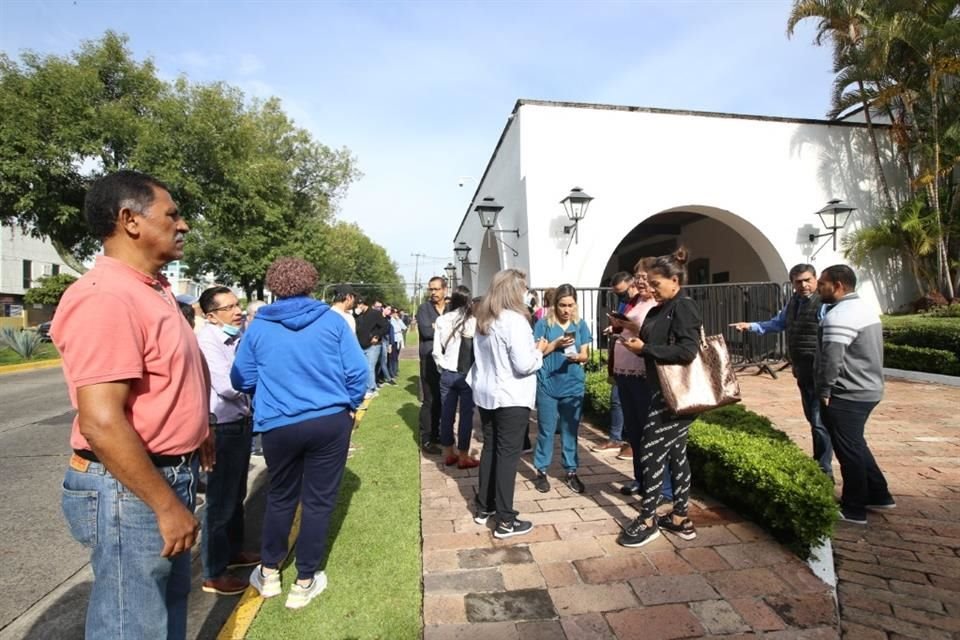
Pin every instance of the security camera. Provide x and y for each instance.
(459, 183)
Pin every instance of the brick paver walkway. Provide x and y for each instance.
(900, 575)
(569, 579)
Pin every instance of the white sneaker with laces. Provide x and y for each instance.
(300, 597)
(267, 584)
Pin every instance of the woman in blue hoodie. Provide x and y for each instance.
(310, 376)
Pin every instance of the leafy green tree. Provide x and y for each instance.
(902, 59)
(62, 119)
(49, 290)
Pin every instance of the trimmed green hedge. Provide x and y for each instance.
(922, 343)
(903, 356)
(739, 457)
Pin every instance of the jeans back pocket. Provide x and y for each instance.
(80, 509)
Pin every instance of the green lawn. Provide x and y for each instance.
(46, 352)
(374, 562)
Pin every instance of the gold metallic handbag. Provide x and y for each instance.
(706, 383)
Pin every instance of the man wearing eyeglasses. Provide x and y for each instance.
(223, 526)
(427, 315)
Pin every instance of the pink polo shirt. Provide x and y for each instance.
(116, 323)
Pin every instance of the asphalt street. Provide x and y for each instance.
(48, 571)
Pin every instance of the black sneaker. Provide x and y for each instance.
(541, 483)
(638, 533)
(883, 505)
(684, 530)
(516, 528)
(847, 517)
(574, 483)
(632, 489)
(480, 516)
(431, 449)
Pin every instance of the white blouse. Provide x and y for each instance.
(506, 360)
(446, 343)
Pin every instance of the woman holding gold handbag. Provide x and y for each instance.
(670, 335)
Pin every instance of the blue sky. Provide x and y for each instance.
(420, 91)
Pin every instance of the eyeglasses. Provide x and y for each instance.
(229, 307)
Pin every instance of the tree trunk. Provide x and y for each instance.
(881, 176)
(68, 258)
(943, 259)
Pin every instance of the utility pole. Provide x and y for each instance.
(416, 276)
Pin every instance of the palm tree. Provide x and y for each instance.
(910, 232)
(843, 22)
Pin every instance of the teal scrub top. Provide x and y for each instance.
(558, 377)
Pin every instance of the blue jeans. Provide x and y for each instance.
(383, 366)
(822, 448)
(373, 358)
(454, 392)
(554, 413)
(305, 462)
(616, 415)
(136, 592)
(226, 491)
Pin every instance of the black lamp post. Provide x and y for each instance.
(575, 204)
(451, 272)
(488, 210)
(838, 213)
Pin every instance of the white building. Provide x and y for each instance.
(23, 261)
(738, 191)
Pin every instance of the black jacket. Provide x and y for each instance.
(671, 334)
(371, 323)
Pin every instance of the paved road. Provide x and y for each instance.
(48, 571)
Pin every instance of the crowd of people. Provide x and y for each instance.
(186, 384)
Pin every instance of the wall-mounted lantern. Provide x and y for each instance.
(834, 217)
(575, 204)
(488, 210)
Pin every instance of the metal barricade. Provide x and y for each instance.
(721, 305)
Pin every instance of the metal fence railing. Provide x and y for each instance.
(721, 305)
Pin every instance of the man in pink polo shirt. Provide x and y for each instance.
(137, 379)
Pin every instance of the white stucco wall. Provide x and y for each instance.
(15, 247)
(761, 178)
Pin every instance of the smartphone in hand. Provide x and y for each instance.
(572, 349)
(618, 316)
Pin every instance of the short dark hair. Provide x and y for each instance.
(109, 194)
(797, 269)
(439, 279)
(208, 298)
(343, 291)
(188, 313)
(843, 274)
(620, 277)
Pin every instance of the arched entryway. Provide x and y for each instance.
(723, 246)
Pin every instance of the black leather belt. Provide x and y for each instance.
(157, 459)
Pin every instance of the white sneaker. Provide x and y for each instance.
(268, 585)
(300, 597)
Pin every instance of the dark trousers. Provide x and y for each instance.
(804, 372)
(305, 463)
(455, 393)
(226, 491)
(863, 482)
(430, 395)
(634, 393)
(503, 431)
(664, 447)
(393, 360)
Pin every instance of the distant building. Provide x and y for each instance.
(740, 192)
(23, 261)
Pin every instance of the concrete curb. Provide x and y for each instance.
(920, 376)
(29, 366)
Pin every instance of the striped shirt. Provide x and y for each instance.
(850, 355)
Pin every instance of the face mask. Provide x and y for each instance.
(230, 330)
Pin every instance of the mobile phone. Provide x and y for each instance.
(570, 334)
(618, 315)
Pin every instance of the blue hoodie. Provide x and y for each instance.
(302, 361)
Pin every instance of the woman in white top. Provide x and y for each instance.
(453, 353)
(505, 388)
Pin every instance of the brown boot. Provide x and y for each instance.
(626, 452)
(225, 585)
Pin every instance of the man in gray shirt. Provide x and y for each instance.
(849, 383)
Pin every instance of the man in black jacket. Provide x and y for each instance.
(427, 315)
(800, 318)
(371, 326)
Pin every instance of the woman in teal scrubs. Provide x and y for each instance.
(560, 387)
